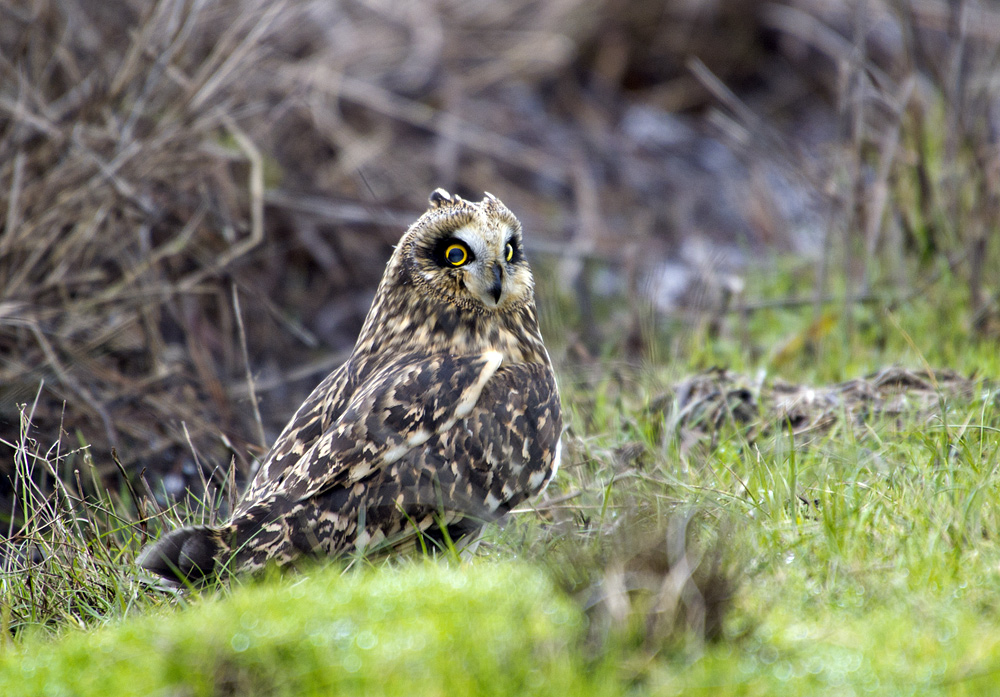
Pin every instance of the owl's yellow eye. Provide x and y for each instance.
(509, 251)
(456, 254)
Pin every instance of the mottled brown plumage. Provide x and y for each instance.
(445, 415)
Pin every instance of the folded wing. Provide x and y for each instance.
(447, 440)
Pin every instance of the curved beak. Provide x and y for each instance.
(496, 290)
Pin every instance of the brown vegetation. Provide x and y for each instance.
(193, 192)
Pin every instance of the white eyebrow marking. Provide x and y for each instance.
(474, 240)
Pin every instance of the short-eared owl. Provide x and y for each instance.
(445, 416)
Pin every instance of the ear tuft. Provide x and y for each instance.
(439, 197)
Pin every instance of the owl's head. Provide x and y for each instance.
(468, 254)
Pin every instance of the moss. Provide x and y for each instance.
(423, 629)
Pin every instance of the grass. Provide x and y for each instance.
(425, 628)
(744, 559)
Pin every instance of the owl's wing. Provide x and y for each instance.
(312, 419)
(397, 410)
(503, 452)
(458, 433)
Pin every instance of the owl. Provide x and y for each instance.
(445, 417)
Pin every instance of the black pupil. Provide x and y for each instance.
(456, 255)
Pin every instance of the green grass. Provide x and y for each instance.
(891, 580)
(490, 629)
(860, 559)
(888, 583)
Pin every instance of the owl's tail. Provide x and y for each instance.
(188, 554)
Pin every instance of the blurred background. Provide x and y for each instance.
(195, 192)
